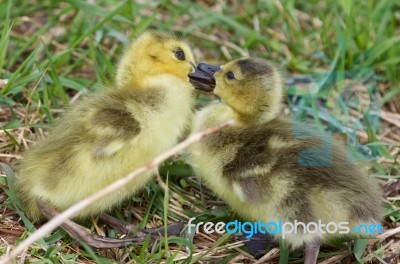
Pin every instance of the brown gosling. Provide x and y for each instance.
(268, 167)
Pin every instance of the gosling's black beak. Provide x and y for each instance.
(203, 77)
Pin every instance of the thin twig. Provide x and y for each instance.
(273, 253)
(391, 118)
(209, 252)
(214, 39)
(73, 210)
(334, 259)
(388, 233)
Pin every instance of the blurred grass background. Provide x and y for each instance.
(342, 63)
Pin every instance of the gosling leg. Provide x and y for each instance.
(312, 251)
(84, 234)
(259, 244)
(126, 228)
(119, 225)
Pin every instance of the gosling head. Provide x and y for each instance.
(252, 87)
(152, 54)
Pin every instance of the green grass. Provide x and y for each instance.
(51, 51)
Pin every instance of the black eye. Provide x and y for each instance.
(230, 75)
(180, 55)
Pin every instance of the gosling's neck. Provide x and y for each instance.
(160, 80)
(131, 73)
(256, 117)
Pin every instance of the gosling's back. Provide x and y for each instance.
(283, 170)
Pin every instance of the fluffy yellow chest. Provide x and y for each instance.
(162, 128)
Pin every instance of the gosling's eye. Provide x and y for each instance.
(180, 55)
(230, 75)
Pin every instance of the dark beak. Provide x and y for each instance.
(203, 77)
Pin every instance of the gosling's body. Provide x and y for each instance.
(110, 133)
(255, 169)
(270, 168)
